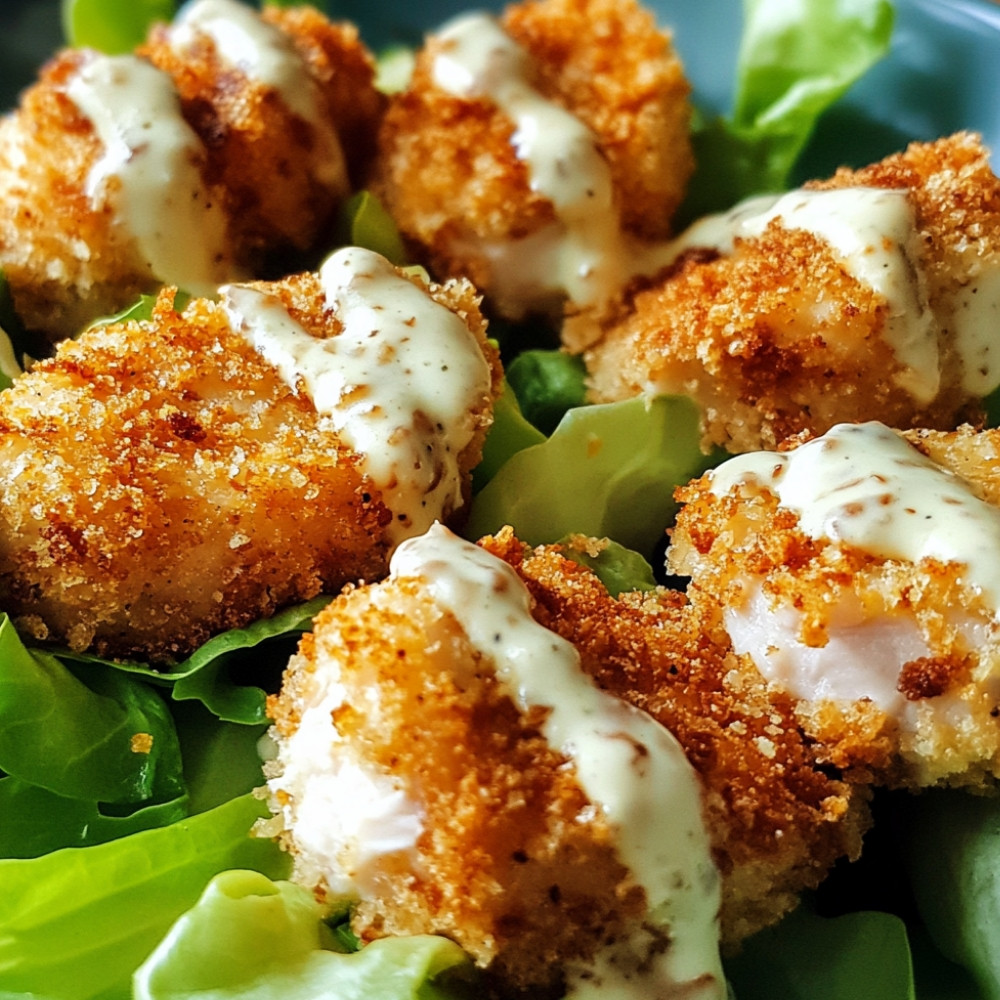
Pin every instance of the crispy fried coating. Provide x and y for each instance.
(495, 816)
(71, 256)
(162, 481)
(506, 858)
(777, 820)
(891, 663)
(451, 176)
(778, 336)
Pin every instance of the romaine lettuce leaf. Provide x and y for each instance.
(255, 939)
(796, 58)
(608, 470)
(75, 924)
(510, 433)
(366, 223)
(225, 674)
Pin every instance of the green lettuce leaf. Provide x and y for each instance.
(112, 26)
(100, 738)
(608, 471)
(75, 924)
(226, 673)
(796, 58)
(36, 821)
(547, 384)
(858, 956)
(620, 569)
(510, 433)
(367, 224)
(251, 938)
(953, 857)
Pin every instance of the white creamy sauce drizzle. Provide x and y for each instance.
(873, 233)
(150, 171)
(399, 384)
(864, 486)
(266, 55)
(585, 255)
(629, 766)
(975, 323)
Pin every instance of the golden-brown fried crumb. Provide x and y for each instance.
(70, 257)
(452, 179)
(778, 336)
(161, 482)
(925, 708)
(508, 860)
(777, 820)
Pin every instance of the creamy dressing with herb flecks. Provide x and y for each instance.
(150, 171)
(266, 55)
(629, 766)
(863, 485)
(399, 384)
(584, 254)
(873, 233)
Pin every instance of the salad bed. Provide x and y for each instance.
(118, 855)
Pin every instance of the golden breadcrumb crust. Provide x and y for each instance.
(730, 543)
(69, 262)
(777, 337)
(160, 482)
(777, 820)
(511, 862)
(451, 178)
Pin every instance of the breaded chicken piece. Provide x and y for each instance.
(164, 480)
(777, 820)
(533, 153)
(443, 761)
(227, 142)
(872, 295)
(860, 577)
(423, 768)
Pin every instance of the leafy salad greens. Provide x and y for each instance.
(126, 792)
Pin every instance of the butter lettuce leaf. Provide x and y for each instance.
(226, 673)
(796, 58)
(953, 857)
(253, 938)
(857, 956)
(112, 26)
(618, 568)
(90, 736)
(608, 470)
(75, 924)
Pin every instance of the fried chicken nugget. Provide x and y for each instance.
(166, 479)
(225, 142)
(873, 295)
(426, 768)
(858, 572)
(533, 153)
(443, 761)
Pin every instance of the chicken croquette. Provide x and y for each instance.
(873, 295)
(167, 479)
(856, 570)
(443, 762)
(227, 142)
(535, 152)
